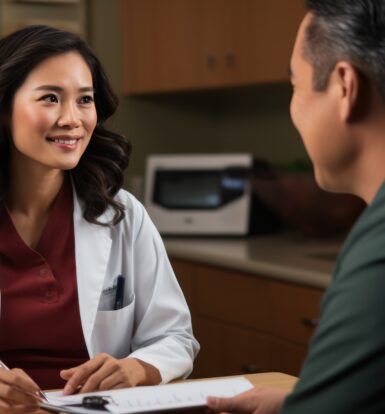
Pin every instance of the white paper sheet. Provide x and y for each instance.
(161, 397)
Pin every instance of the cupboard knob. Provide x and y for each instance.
(230, 59)
(250, 369)
(211, 61)
(309, 322)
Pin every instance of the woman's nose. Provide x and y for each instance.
(68, 117)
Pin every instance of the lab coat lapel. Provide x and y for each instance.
(92, 251)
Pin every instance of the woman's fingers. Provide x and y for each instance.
(18, 409)
(102, 372)
(94, 381)
(13, 394)
(105, 372)
(83, 372)
(66, 374)
(16, 387)
(4, 406)
(18, 378)
(114, 381)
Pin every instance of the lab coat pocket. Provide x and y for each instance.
(113, 330)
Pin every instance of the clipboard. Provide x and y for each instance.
(188, 396)
(80, 410)
(69, 409)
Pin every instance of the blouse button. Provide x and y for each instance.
(43, 271)
(51, 296)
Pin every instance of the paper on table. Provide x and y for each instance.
(188, 394)
(162, 397)
(57, 398)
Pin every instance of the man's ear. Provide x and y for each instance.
(349, 84)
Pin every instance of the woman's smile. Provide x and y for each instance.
(66, 142)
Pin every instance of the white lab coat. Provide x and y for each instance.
(154, 324)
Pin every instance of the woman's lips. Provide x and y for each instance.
(65, 141)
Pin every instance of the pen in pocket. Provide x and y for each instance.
(40, 392)
(119, 294)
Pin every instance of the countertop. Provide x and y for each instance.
(286, 256)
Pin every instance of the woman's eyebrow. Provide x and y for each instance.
(60, 89)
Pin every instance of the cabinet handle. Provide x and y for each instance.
(230, 59)
(309, 322)
(211, 61)
(250, 369)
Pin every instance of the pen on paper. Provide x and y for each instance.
(41, 393)
(119, 295)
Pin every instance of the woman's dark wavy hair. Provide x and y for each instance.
(99, 173)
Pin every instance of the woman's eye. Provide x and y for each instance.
(51, 98)
(87, 99)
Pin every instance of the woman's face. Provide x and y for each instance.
(53, 113)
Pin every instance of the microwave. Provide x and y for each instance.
(200, 194)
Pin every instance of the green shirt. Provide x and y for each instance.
(345, 369)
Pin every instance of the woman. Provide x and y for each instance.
(87, 290)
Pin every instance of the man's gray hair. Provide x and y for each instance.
(351, 30)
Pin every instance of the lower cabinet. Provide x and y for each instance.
(247, 323)
(227, 350)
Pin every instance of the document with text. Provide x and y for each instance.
(180, 395)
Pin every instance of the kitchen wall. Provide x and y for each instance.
(67, 14)
(254, 119)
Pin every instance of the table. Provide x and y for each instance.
(273, 380)
(267, 379)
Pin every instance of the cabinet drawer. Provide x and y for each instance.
(226, 350)
(232, 297)
(296, 311)
(287, 357)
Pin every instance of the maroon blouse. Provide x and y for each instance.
(40, 329)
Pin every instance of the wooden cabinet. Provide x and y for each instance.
(296, 311)
(247, 323)
(184, 272)
(171, 45)
(228, 349)
(229, 297)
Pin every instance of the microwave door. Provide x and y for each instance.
(197, 189)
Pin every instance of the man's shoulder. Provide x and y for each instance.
(365, 245)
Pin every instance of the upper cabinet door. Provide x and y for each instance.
(259, 39)
(171, 45)
(162, 45)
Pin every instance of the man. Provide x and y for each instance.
(338, 106)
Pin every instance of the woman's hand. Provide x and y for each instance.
(255, 401)
(103, 372)
(18, 392)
